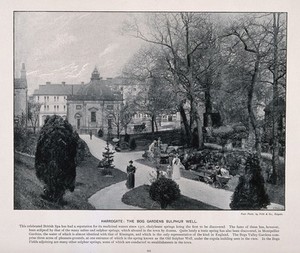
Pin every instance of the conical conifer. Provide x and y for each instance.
(250, 193)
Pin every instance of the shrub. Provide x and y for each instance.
(108, 158)
(132, 144)
(55, 157)
(100, 133)
(250, 192)
(164, 191)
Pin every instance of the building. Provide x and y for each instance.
(20, 96)
(53, 99)
(95, 106)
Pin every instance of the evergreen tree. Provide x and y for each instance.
(55, 158)
(250, 192)
(107, 161)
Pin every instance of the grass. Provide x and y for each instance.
(27, 188)
(140, 197)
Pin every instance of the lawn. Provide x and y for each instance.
(27, 188)
(140, 197)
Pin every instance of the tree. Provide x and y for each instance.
(250, 193)
(252, 37)
(155, 96)
(121, 116)
(107, 161)
(182, 39)
(278, 70)
(164, 191)
(33, 113)
(55, 162)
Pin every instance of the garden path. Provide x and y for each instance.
(110, 197)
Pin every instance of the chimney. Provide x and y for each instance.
(48, 82)
(63, 83)
(23, 71)
(82, 82)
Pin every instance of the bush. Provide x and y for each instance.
(55, 156)
(100, 133)
(250, 193)
(164, 191)
(132, 144)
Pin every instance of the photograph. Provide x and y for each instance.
(149, 110)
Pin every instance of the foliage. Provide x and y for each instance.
(132, 144)
(209, 159)
(250, 193)
(33, 113)
(55, 157)
(107, 161)
(100, 133)
(164, 191)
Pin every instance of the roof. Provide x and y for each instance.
(98, 90)
(20, 83)
(57, 89)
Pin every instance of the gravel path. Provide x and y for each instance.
(110, 197)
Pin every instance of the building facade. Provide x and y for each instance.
(95, 106)
(53, 99)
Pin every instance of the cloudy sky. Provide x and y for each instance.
(66, 46)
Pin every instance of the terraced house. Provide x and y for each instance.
(88, 107)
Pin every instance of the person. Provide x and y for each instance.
(152, 146)
(176, 165)
(91, 134)
(169, 172)
(130, 175)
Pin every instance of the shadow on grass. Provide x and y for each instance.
(140, 197)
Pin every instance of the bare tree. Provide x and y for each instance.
(181, 37)
(33, 114)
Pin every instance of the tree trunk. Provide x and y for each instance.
(252, 119)
(199, 127)
(208, 105)
(275, 118)
(185, 123)
(152, 124)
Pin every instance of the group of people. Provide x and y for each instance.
(173, 171)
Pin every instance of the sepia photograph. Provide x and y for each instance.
(132, 110)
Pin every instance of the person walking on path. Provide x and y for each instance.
(130, 175)
(91, 134)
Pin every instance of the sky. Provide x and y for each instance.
(66, 46)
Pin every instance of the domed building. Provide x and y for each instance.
(94, 106)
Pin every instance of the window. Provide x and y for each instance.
(47, 99)
(78, 107)
(110, 107)
(64, 107)
(54, 99)
(57, 108)
(57, 98)
(93, 116)
(47, 107)
(44, 108)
